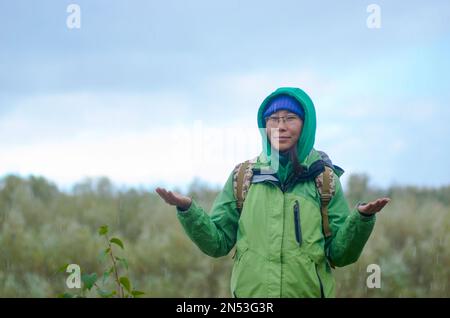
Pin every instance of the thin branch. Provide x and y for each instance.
(121, 294)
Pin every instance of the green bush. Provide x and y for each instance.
(41, 228)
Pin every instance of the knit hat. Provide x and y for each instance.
(284, 102)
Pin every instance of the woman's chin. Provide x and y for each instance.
(282, 149)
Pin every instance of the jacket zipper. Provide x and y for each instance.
(298, 228)
(322, 295)
(276, 184)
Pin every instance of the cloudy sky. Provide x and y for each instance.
(159, 92)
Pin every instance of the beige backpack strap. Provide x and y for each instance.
(242, 177)
(326, 187)
(240, 185)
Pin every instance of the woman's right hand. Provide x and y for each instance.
(174, 198)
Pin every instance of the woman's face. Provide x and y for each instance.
(283, 129)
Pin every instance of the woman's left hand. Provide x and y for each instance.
(374, 206)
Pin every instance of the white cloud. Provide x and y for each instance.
(61, 116)
(173, 155)
(155, 138)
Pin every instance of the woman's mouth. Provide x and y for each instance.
(282, 139)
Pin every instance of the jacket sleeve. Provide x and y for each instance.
(350, 230)
(214, 234)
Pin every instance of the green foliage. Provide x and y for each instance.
(42, 227)
(116, 241)
(103, 230)
(125, 282)
(91, 280)
(88, 280)
(63, 268)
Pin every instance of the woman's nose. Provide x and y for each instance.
(282, 125)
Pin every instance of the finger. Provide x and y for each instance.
(162, 192)
(164, 195)
(377, 202)
(377, 208)
(383, 204)
(175, 194)
(374, 206)
(159, 190)
(170, 195)
(383, 201)
(173, 197)
(380, 205)
(371, 204)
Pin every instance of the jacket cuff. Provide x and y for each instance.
(179, 210)
(191, 208)
(357, 217)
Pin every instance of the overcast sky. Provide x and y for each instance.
(159, 92)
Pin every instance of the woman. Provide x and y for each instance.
(282, 249)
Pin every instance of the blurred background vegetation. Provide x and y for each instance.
(43, 228)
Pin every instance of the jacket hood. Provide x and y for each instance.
(305, 143)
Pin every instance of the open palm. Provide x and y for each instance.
(174, 198)
(373, 206)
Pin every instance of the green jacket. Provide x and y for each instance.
(280, 247)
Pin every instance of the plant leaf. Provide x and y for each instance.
(88, 280)
(125, 283)
(116, 241)
(123, 261)
(137, 293)
(107, 274)
(66, 295)
(63, 269)
(103, 230)
(105, 277)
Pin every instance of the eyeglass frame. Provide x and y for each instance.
(294, 117)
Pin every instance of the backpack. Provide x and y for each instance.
(322, 174)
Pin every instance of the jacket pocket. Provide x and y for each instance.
(322, 295)
(297, 223)
(236, 273)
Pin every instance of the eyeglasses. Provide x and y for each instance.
(273, 121)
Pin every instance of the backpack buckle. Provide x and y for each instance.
(325, 197)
